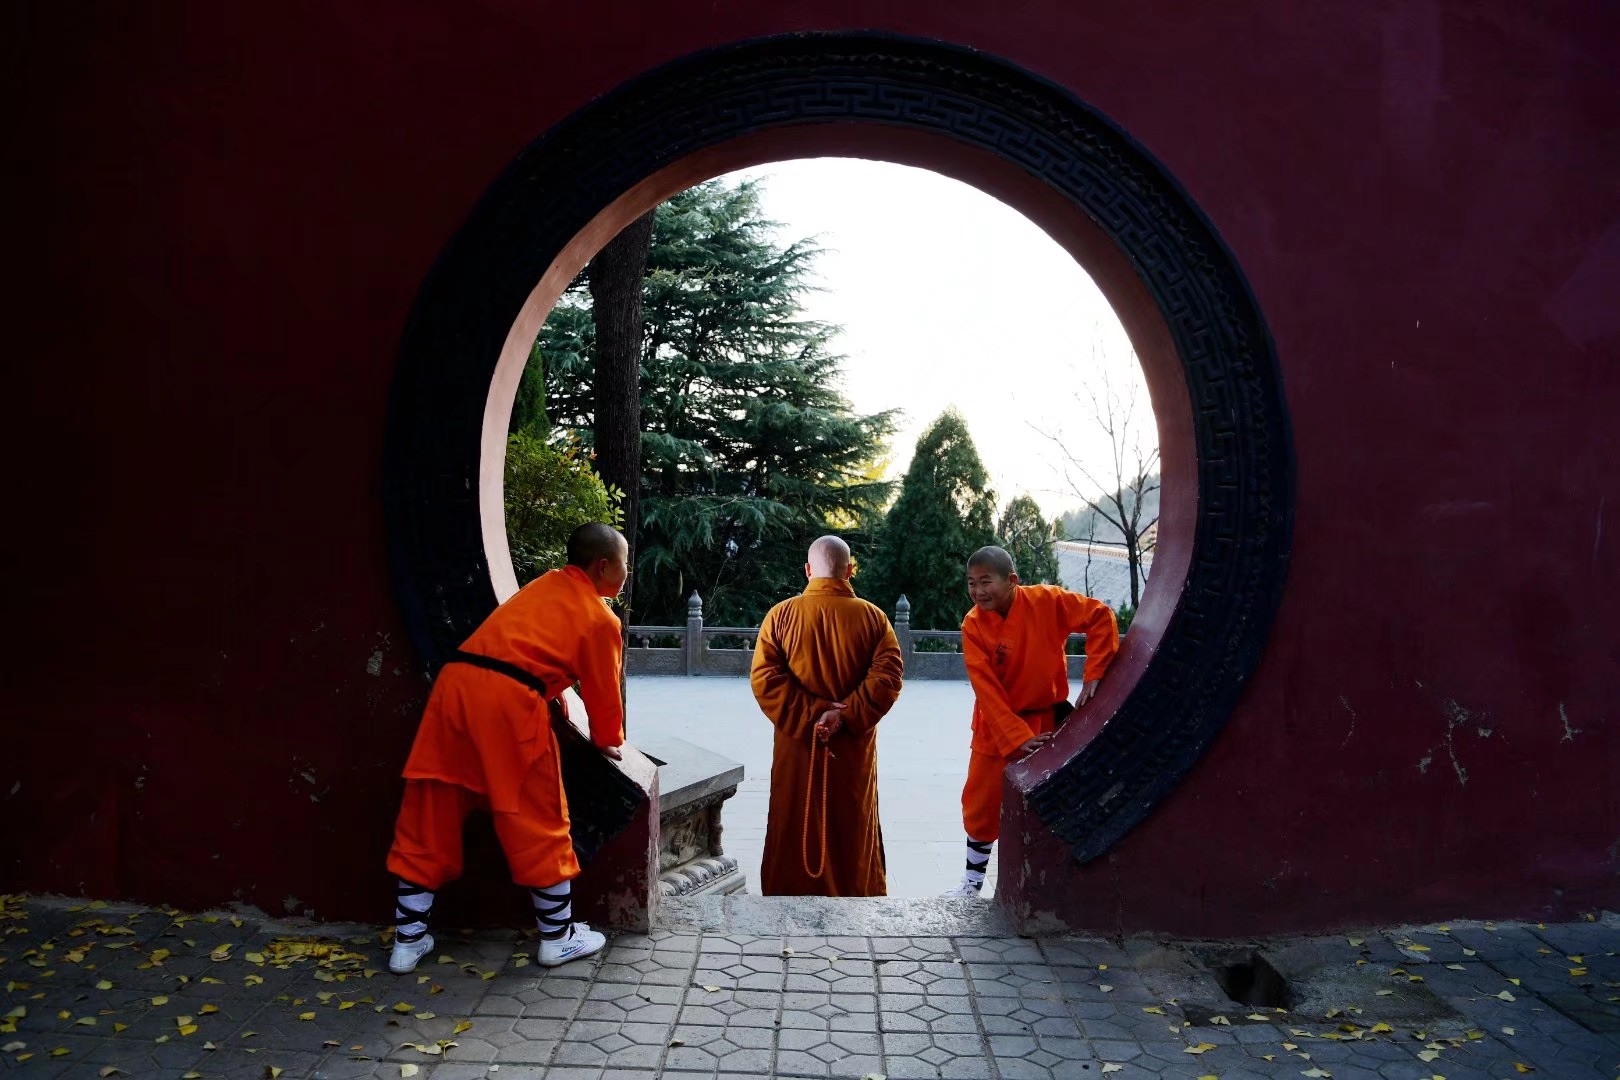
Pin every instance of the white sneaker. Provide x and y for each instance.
(406, 954)
(964, 889)
(581, 942)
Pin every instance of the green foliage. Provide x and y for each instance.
(1027, 536)
(550, 489)
(944, 513)
(1126, 614)
(749, 451)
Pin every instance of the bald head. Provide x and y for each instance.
(592, 541)
(829, 558)
(994, 559)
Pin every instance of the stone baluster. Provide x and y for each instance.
(902, 627)
(694, 634)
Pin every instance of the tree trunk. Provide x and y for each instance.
(616, 277)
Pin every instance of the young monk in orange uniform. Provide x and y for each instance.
(1013, 642)
(826, 669)
(486, 742)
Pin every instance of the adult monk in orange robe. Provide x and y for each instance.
(826, 669)
(486, 742)
(1013, 642)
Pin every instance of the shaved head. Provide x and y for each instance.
(829, 557)
(994, 559)
(592, 541)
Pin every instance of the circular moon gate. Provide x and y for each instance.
(1238, 510)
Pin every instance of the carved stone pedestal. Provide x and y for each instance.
(693, 785)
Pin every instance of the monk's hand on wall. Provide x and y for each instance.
(1087, 692)
(830, 722)
(1034, 744)
(612, 752)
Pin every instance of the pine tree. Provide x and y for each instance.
(748, 449)
(944, 513)
(1027, 536)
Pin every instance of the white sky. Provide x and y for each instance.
(951, 298)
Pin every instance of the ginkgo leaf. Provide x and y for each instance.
(1456, 967)
(426, 1015)
(1519, 1066)
(13, 1047)
(1474, 1034)
(1201, 1048)
(1315, 1074)
(1576, 972)
(86, 1021)
(1470, 952)
(109, 1070)
(1290, 1046)
(404, 1007)
(1356, 942)
(188, 1029)
(1257, 1016)
(221, 952)
(60, 1051)
(208, 1009)
(1507, 996)
(1155, 1009)
(1428, 1055)
(345, 1005)
(104, 984)
(1577, 960)
(306, 1016)
(407, 1070)
(1220, 1020)
(271, 1072)
(161, 999)
(1105, 988)
(1110, 1067)
(1381, 1029)
(677, 1042)
(712, 989)
(1385, 993)
(461, 1026)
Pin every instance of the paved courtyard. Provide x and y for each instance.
(928, 989)
(922, 759)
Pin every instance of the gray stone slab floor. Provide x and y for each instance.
(922, 761)
(738, 989)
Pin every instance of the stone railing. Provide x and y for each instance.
(696, 649)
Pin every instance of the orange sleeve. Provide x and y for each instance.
(1095, 619)
(1004, 727)
(782, 698)
(877, 693)
(601, 666)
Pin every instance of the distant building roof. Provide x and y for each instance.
(1101, 571)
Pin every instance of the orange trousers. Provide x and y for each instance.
(981, 795)
(427, 836)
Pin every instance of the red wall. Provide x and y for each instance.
(220, 217)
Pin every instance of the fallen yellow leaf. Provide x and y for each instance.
(86, 1021)
(1428, 1055)
(1110, 1067)
(426, 1015)
(1507, 996)
(271, 1072)
(161, 999)
(207, 1009)
(404, 1007)
(306, 1016)
(109, 1070)
(1201, 1048)
(221, 952)
(1576, 972)
(461, 1026)
(60, 1051)
(407, 1070)
(1257, 1016)
(188, 1029)
(1156, 1010)
(1519, 1066)
(1220, 1020)
(104, 984)
(345, 1005)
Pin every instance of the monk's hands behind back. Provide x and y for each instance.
(830, 722)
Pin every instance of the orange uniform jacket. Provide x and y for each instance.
(824, 646)
(486, 732)
(1017, 664)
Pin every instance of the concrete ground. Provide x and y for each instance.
(922, 760)
(768, 987)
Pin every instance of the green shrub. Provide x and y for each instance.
(550, 490)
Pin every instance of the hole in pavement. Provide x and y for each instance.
(1254, 982)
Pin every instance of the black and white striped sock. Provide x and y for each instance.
(413, 907)
(978, 859)
(554, 910)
